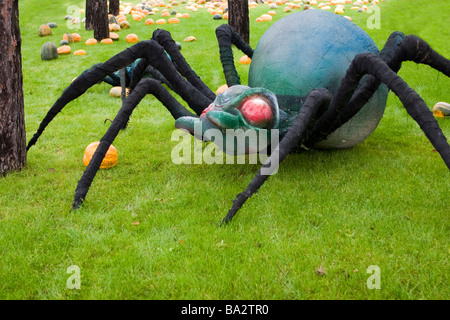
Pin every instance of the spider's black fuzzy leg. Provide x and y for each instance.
(398, 48)
(79, 86)
(143, 67)
(370, 64)
(144, 87)
(165, 39)
(158, 76)
(417, 50)
(123, 83)
(138, 73)
(150, 50)
(227, 36)
(156, 55)
(315, 100)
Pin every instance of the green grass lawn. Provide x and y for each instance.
(149, 228)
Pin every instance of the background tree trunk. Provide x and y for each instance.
(13, 154)
(238, 18)
(89, 23)
(100, 19)
(114, 7)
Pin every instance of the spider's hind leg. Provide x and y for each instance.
(150, 50)
(415, 106)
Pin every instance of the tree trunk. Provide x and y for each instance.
(238, 18)
(114, 7)
(89, 23)
(99, 16)
(13, 154)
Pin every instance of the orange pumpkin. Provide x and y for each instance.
(80, 52)
(63, 50)
(173, 20)
(107, 41)
(221, 89)
(266, 17)
(132, 38)
(68, 37)
(245, 60)
(45, 30)
(121, 18)
(161, 21)
(137, 17)
(114, 36)
(125, 25)
(149, 22)
(91, 41)
(76, 37)
(110, 160)
(114, 27)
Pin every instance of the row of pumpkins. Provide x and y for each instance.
(49, 51)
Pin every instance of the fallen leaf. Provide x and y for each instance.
(321, 271)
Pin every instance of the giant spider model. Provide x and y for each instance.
(328, 86)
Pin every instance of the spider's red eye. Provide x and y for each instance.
(257, 112)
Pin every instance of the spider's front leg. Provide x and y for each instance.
(316, 100)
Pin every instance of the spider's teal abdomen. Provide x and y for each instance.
(313, 49)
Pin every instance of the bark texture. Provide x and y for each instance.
(100, 23)
(238, 18)
(114, 7)
(12, 119)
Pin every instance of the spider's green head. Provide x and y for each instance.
(239, 121)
